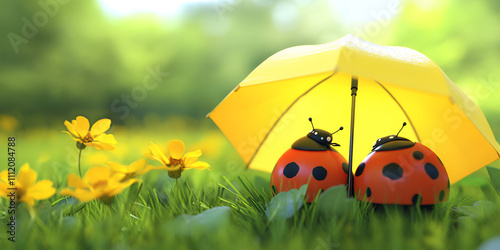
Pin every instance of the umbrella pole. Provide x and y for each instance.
(354, 90)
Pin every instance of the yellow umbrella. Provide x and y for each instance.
(269, 109)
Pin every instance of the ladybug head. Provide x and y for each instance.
(321, 136)
(392, 142)
(316, 140)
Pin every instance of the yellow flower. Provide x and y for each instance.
(135, 169)
(79, 131)
(176, 162)
(8, 123)
(27, 190)
(99, 183)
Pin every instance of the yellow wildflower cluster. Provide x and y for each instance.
(27, 189)
(101, 182)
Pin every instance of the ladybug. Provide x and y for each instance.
(311, 160)
(401, 172)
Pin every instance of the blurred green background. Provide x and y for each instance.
(132, 61)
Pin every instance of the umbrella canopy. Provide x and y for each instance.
(269, 109)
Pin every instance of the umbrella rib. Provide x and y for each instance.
(402, 109)
(284, 112)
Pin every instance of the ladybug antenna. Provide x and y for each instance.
(333, 143)
(338, 130)
(311, 120)
(404, 124)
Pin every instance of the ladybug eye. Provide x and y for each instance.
(328, 139)
(315, 133)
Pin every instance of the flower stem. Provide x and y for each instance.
(79, 168)
(132, 200)
(177, 188)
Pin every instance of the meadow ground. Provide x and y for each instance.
(224, 208)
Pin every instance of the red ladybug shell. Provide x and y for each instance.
(402, 176)
(320, 169)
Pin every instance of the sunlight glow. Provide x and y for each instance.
(359, 12)
(160, 7)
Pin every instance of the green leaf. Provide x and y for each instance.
(479, 210)
(474, 181)
(211, 221)
(334, 201)
(494, 177)
(285, 204)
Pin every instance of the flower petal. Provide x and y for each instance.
(137, 165)
(94, 144)
(176, 149)
(152, 157)
(72, 137)
(149, 168)
(117, 167)
(158, 155)
(76, 182)
(192, 157)
(26, 176)
(3, 189)
(27, 199)
(100, 127)
(71, 129)
(120, 187)
(4, 176)
(81, 126)
(97, 174)
(199, 165)
(41, 190)
(104, 141)
(100, 145)
(107, 138)
(80, 194)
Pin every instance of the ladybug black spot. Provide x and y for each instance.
(291, 169)
(431, 170)
(416, 199)
(275, 190)
(345, 167)
(418, 155)
(393, 171)
(319, 173)
(360, 169)
(368, 192)
(441, 195)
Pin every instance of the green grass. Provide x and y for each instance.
(165, 217)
